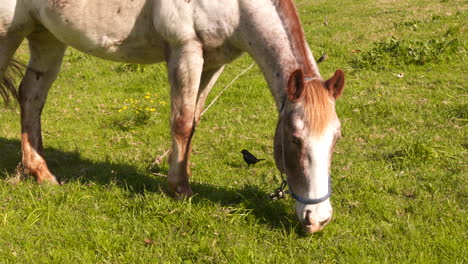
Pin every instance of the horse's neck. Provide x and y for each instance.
(268, 41)
(276, 62)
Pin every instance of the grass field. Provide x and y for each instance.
(399, 173)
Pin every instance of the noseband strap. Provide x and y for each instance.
(280, 192)
(303, 200)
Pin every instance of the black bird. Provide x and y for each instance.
(323, 57)
(249, 158)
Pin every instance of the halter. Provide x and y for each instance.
(279, 193)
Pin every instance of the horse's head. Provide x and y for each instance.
(307, 131)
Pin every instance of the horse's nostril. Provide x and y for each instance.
(307, 219)
(324, 222)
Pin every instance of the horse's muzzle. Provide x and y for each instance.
(311, 226)
(314, 217)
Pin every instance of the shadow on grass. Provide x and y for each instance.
(71, 167)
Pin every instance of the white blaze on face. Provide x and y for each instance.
(319, 157)
(319, 169)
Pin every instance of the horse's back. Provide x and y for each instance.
(110, 29)
(133, 31)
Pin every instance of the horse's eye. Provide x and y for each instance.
(296, 141)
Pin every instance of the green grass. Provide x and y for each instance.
(399, 173)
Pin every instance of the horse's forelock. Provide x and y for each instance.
(318, 109)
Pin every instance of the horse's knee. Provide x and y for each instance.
(183, 127)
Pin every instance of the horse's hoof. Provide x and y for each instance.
(182, 193)
(50, 179)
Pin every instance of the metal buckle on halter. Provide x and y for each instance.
(280, 192)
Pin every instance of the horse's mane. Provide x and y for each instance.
(317, 107)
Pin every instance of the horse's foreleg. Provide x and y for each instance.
(185, 66)
(44, 64)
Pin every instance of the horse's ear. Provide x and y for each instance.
(296, 85)
(335, 84)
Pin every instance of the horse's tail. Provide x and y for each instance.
(7, 83)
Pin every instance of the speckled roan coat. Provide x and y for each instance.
(196, 38)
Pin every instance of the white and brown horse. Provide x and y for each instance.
(195, 38)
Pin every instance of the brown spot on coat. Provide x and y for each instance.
(58, 4)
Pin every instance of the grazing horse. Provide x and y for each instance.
(195, 38)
